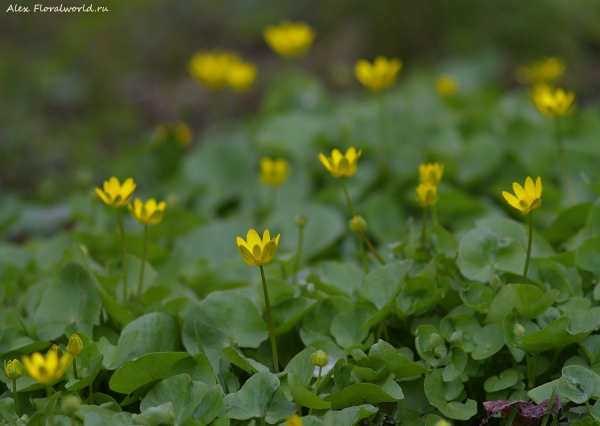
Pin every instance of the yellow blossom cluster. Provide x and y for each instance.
(221, 69)
(430, 175)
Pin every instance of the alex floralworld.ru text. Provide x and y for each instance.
(61, 8)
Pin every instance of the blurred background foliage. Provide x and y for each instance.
(82, 93)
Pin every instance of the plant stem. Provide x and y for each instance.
(363, 255)
(75, 375)
(513, 413)
(139, 292)
(563, 159)
(316, 390)
(424, 232)
(549, 407)
(380, 329)
(270, 321)
(350, 206)
(528, 247)
(298, 253)
(16, 399)
(91, 395)
(124, 256)
(384, 135)
(434, 215)
(589, 409)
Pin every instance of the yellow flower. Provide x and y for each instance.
(552, 102)
(446, 86)
(528, 198)
(295, 420)
(431, 173)
(289, 38)
(341, 165)
(149, 213)
(115, 194)
(319, 358)
(241, 75)
(274, 172)
(542, 72)
(183, 134)
(379, 75)
(75, 346)
(47, 370)
(179, 131)
(427, 194)
(256, 251)
(13, 369)
(212, 68)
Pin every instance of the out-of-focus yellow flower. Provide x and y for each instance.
(446, 86)
(427, 194)
(358, 224)
(49, 369)
(241, 75)
(379, 75)
(341, 165)
(148, 213)
(179, 131)
(542, 72)
(552, 102)
(13, 369)
(295, 420)
(274, 172)
(289, 38)
(115, 194)
(212, 68)
(57, 349)
(528, 198)
(183, 134)
(256, 251)
(75, 345)
(431, 173)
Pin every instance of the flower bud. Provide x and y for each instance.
(319, 358)
(435, 340)
(295, 420)
(300, 220)
(13, 369)
(70, 404)
(495, 282)
(358, 224)
(519, 330)
(443, 422)
(456, 337)
(75, 346)
(57, 349)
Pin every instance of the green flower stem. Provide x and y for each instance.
(587, 405)
(16, 399)
(385, 137)
(75, 375)
(91, 395)
(372, 248)
(270, 321)
(350, 206)
(316, 390)
(72, 420)
(549, 408)
(122, 228)
(362, 254)
(513, 413)
(434, 215)
(528, 247)
(139, 292)
(298, 253)
(563, 159)
(424, 232)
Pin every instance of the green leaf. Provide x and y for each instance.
(397, 363)
(578, 384)
(197, 367)
(143, 370)
(303, 396)
(461, 327)
(70, 304)
(568, 222)
(478, 297)
(288, 313)
(88, 375)
(359, 392)
(587, 255)
(481, 253)
(234, 354)
(347, 328)
(418, 296)
(528, 300)
(348, 416)
(302, 365)
(159, 332)
(222, 319)
(381, 286)
(156, 416)
(504, 380)
(210, 406)
(434, 390)
(488, 341)
(456, 366)
(115, 356)
(259, 397)
(121, 315)
(181, 391)
(340, 278)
